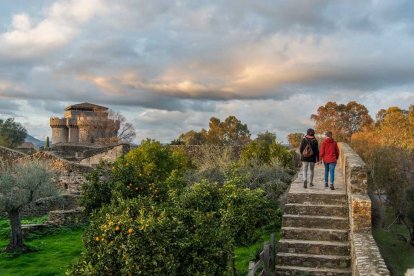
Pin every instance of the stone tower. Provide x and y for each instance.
(83, 123)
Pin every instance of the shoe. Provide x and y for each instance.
(305, 184)
(326, 185)
(311, 184)
(332, 187)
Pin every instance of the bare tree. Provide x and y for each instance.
(126, 131)
(19, 187)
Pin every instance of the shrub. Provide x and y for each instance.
(144, 171)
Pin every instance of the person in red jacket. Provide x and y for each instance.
(329, 154)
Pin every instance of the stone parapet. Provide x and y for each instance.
(366, 257)
(57, 122)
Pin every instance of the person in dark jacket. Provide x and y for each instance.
(309, 161)
(329, 155)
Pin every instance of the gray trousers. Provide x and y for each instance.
(306, 165)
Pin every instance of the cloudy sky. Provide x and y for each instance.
(169, 66)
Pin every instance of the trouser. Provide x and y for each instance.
(330, 171)
(305, 171)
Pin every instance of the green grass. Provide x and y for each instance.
(398, 254)
(55, 252)
(243, 255)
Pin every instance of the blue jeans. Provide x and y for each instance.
(330, 170)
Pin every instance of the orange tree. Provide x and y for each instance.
(144, 171)
(192, 232)
(152, 222)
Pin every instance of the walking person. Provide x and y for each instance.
(309, 151)
(329, 154)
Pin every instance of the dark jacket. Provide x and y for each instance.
(315, 148)
(329, 151)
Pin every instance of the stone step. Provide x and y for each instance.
(316, 209)
(311, 198)
(314, 234)
(326, 222)
(313, 261)
(314, 247)
(295, 270)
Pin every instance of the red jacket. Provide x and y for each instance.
(329, 151)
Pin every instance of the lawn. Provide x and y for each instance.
(398, 254)
(55, 252)
(243, 255)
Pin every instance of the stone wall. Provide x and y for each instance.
(366, 257)
(9, 156)
(70, 175)
(44, 205)
(109, 155)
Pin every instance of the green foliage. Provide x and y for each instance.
(193, 232)
(47, 143)
(143, 171)
(142, 236)
(266, 150)
(31, 179)
(246, 211)
(230, 132)
(12, 134)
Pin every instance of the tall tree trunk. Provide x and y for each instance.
(16, 242)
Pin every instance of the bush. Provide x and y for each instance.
(144, 171)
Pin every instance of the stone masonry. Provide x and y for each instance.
(327, 232)
(83, 124)
(366, 257)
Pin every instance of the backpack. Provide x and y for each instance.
(307, 151)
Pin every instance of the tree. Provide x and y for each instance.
(12, 134)
(230, 132)
(266, 150)
(20, 187)
(295, 139)
(126, 131)
(343, 120)
(193, 138)
(47, 143)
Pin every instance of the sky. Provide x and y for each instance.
(168, 66)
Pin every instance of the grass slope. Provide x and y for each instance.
(55, 252)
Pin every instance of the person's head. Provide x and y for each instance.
(328, 134)
(310, 132)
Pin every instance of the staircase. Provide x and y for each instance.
(315, 238)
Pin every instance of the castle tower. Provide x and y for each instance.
(59, 130)
(84, 123)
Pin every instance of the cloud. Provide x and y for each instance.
(29, 36)
(270, 62)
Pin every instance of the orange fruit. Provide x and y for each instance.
(130, 231)
(97, 239)
(117, 228)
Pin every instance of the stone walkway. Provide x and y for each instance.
(319, 182)
(315, 229)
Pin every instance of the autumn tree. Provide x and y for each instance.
(193, 137)
(388, 150)
(12, 134)
(342, 119)
(295, 139)
(19, 187)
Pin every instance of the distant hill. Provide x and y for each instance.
(35, 141)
